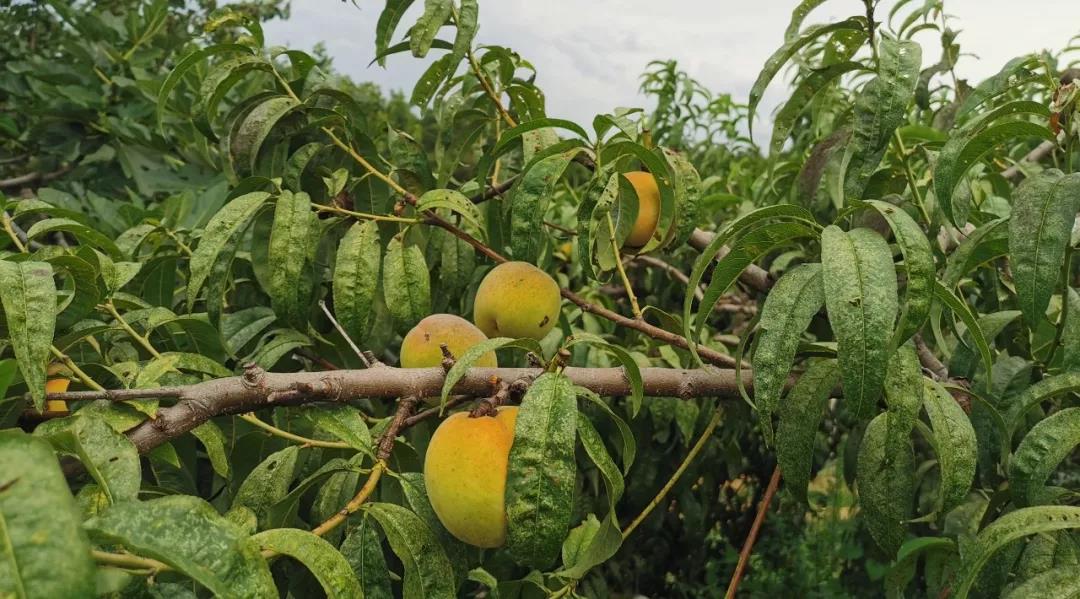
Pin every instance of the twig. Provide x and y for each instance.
(284, 434)
(341, 330)
(634, 307)
(748, 545)
(1041, 151)
(928, 360)
(35, 176)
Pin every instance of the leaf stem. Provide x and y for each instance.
(910, 175)
(489, 89)
(141, 340)
(365, 215)
(364, 163)
(74, 368)
(11, 232)
(694, 451)
(622, 271)
(127, 561)
(250, 418)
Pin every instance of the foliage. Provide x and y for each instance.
(181, 200)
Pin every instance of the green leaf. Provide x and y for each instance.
(183, 66)
(798, 15)
(268, 483)
(320, 557)
(45, 552)
(1010, 527)
(415, 490)
(918, 264)
(213, 440)
(187, 533)
(629, 447)
(879, 109)
(427, 570)
(1049, 442)
(954, 441)
(28, 295)
(83, 233)
(541, 472)
(247, 139)
(861, 299)
(801, 98)
(363, 549)
(1062, 582)
(790, 306)
(903, 396)
(961, 309)
(1009, 77)
(435, 74)
(528, 202)
(590, 544)
(1070, 334)
(356, 277)
(289, 238)
(800, 417)
(454, 201)
(785, 52)
(964, 360)
(986, 243)
(406, 284)
(342, 421)
(388, 22)
(626, 360)
(903, 568)
(466, 21)
(1043, 210)
(109, 456)
(222, 231)
(687, 185)
(436, 12)
(1051, 386)
(886, 485)
(598, 453)
(464, 362)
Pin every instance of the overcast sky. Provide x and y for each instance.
(589, 54)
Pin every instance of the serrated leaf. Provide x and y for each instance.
(45, 550)
(222, 230)
(954, 442)
(879, 109)
(886, 486)
(289, 238)
(427, 570)
(108, 456)
(28, 295)
(800, 417)
(406, 284)
(1010, 527)
(356, 277)
(464, 362)
(861, 299)
(363, 549)
(320, 557)
(918, 264)
(541, 472)
(187, 533)
(1049, 442)
(790, 306)
(1043, 210)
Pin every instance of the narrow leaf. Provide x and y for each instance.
(320, 557)
(28, 295)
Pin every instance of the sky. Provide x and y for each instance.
(589, 54)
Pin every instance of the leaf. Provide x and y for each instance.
(45, 551)
(541, 472)
(800, 418)
(1049, 442)
(427, 570)
(356, 277)
(861, 299)
(28, 293)
(590, 544)
(268, 483)
(466, 21)
(454, 201)
(918, 264)
(222, 230)
(629, 447)
(289, 238)
(83, 233)
(879, 109)
(464, 362)
(626, 360)
(406, 284)
(598, 453)
(801, 98)
(886, 486)
(962, 310)
(342, 421)
(798, 15)
(964, 360)
(320, 557)
(436, 12)
(363, 549)
(1009, 77)
(1010, 527)
(1070, 333)
(687, 185)
(903, 396)
(529, 201)
(187, 533)
(435, 74)
(183, 66)
(1051, 386)
(247, 139)
(789, 307)
(388, 22)
(213, 440)
(903, 568)
(785, 52)
(1043, 210)
(415, 490)
(955, 444)
(109, 456)
(1062, 582)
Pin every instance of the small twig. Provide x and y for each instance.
(634, 307)
(748, 545)
(340, 329)
(35, 176)
(273, 430)
(928, 360)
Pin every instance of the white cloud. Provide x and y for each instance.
(589, 54)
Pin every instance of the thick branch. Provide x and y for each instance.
(34, 177)
(1041, 151)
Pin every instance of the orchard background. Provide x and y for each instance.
(842, 361)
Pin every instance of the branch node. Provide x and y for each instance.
(534, 360)
(253, 375)
(370, 355)
(405, 408)
(488, 405)
(448, 359)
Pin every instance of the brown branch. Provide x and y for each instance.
(34, 177)
(754, 276)
(755, 528)
(1041, 151)
(928, 360)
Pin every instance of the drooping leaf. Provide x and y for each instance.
(344, 422)
(528, 202)
(598, 453)
(918, 264)
(464, 362)
(44, 551)
(213, 441)
(1070, 334)
(861, 299)
(388, 22)
(320, 557)
(886, 485)
(427, 570)
(28, 295)
(801, 98)
(435, 14)
(589, 545)
(953, 441)
(406, 284)
(289, 239)
(356, 277)
(220, 232)
(1049, 442)
(961, 309)
(790, 306)
(801, 414)
(1051, 386)
(268, 483)
(363, 549)
(109, 457)
(541, 472)
(1062, 582)
(626, 360)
